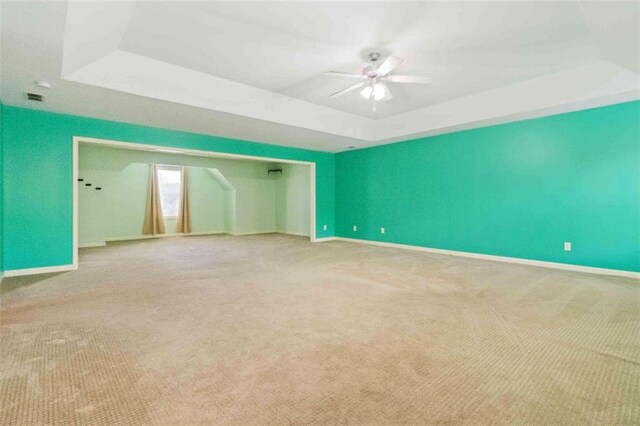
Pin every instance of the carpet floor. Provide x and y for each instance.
(273, 329)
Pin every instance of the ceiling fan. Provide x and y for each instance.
(374, 77)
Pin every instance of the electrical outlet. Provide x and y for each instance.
(355, 228)
(567, 246)
(324, 227)
(382, 230)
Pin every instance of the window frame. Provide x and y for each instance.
(159, 168)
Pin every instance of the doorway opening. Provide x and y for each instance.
(228, 193)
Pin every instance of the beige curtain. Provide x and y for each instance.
(153, 219)
(184, 215)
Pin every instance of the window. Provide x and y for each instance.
(169, 183)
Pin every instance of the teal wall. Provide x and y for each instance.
(518, 190)
(37, 177)
(1, 194)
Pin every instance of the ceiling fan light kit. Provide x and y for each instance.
(374, 77)
(378, 91)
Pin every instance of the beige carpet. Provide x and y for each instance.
(275, 330)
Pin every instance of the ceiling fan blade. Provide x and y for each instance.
(347, 90)
(408, 79)
(388, 65)
(344, 74)
(387, 93)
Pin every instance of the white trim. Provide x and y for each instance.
(44, 270)
(312, 202)
(240, 234)
(1, 276)
(200, 234)
(76, 140)
(193, 234)
(296, 234)
(74, 185)
(324, 240)
(540, 263)
(151, 237)
(91, 245)
(184, 151)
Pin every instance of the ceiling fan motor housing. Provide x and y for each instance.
(371, 70)
(374, 56)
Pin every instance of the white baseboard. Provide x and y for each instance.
(90, 245)
(148, 237)
(1, 276)
(200, 234)
(239, 234)
(540, 263)
(297, 234)
(324, 239)
(141, 237)
(193, 234)
(543, 264)
(44, 270)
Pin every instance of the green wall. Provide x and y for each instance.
(517, 190)
(292, 199)
(37, 177)
(207, 201)
(117, 211)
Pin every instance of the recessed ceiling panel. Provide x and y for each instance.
(264, 64)
(287, 47)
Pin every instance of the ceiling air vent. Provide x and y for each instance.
(35, 97)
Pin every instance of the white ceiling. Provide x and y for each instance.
(255, 70)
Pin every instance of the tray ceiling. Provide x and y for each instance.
(256, 70)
